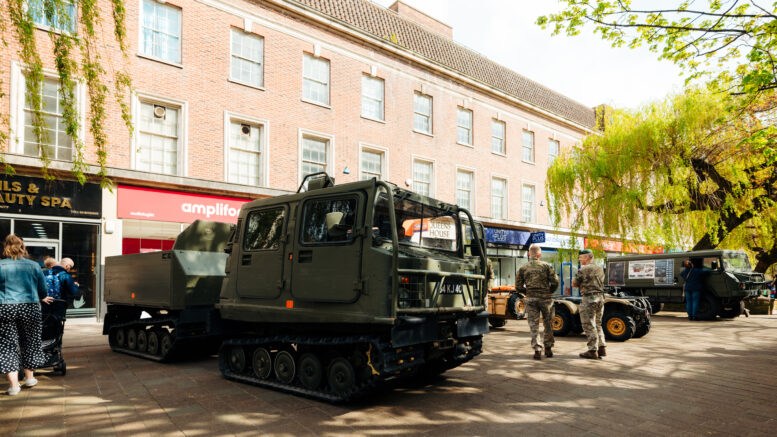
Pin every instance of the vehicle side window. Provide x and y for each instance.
(712, 263)
(328, 220)
(264, 229)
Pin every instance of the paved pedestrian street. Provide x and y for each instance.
(683, 378)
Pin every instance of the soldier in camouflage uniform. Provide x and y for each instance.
(590, 280)
(540, 281)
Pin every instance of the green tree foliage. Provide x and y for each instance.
(733, 43)
(679, 172)
(76, 49)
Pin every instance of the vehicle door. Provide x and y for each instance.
(715, 282)
(260, 266)
(327, 260)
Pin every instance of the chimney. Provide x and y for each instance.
(428, 22)
(604, 115)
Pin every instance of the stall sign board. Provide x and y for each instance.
(642, 269)
(664, 272)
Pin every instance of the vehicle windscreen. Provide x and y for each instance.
(418, 224)
(736, 262)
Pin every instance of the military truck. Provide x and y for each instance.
(658, 278)
(330, 291)
(162, 303)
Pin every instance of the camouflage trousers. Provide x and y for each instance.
(536, 307)
(591, 311)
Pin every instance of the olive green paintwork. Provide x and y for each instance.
(353, 282)
(727, 286)
(188, 275)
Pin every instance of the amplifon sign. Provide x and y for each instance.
(170, 206)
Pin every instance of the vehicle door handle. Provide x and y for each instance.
(246, 259)
(305, 256)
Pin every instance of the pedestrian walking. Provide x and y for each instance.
(694, 276)
(590, 280)
(22, 287)
(540, 281)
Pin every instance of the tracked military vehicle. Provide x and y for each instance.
(657, 277)
(333, 290)
(325, 293)
(162, 303)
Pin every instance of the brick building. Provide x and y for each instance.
(236, 99)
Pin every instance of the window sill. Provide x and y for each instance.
(503, 155)
(528, 162)
(260, 88)
(373, 119)
(423, 133)
(466, 145)
(323, 105)
(160, 60)
(45, 28)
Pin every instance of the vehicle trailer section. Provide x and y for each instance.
(176, 289)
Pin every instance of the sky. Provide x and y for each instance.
(584, 67)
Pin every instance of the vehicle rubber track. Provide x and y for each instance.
(384, 363)
(157, 322)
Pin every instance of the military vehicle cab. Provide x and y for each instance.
(335, 289)
(657, 276)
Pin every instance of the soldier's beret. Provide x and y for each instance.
(586, 251)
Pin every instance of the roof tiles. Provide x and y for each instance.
(388, 25)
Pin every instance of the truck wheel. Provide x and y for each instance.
(132, 339)
(618, 326)
(733, 310)
(709, 307)
(341, 377)
(142, 340)
(310, 371)
(562, 321)
(642, 329)
(496, 322)
(517, 306)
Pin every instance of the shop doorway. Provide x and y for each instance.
(39, 250)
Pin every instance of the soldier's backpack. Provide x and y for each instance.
(53, 285)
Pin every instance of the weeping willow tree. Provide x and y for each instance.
(688, 171)
(77, 57)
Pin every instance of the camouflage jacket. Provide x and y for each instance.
(590, 279)
(538, 277)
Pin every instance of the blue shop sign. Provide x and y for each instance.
(507, 236)
(537, 237)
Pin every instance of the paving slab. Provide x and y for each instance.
(683, 378)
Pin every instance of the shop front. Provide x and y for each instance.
(59, 219)
(507, 250)
(150, 219)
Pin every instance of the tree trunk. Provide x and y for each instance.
(766, 258)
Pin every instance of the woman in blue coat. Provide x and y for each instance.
(694, 276)
(22, 287)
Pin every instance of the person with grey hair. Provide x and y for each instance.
(590, 280)
(540, 281)
(67, 287)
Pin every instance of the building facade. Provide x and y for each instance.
(234, 100)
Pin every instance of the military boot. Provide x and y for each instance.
(549, 352)
(537, 355)
(602, 351)
(591, 355)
